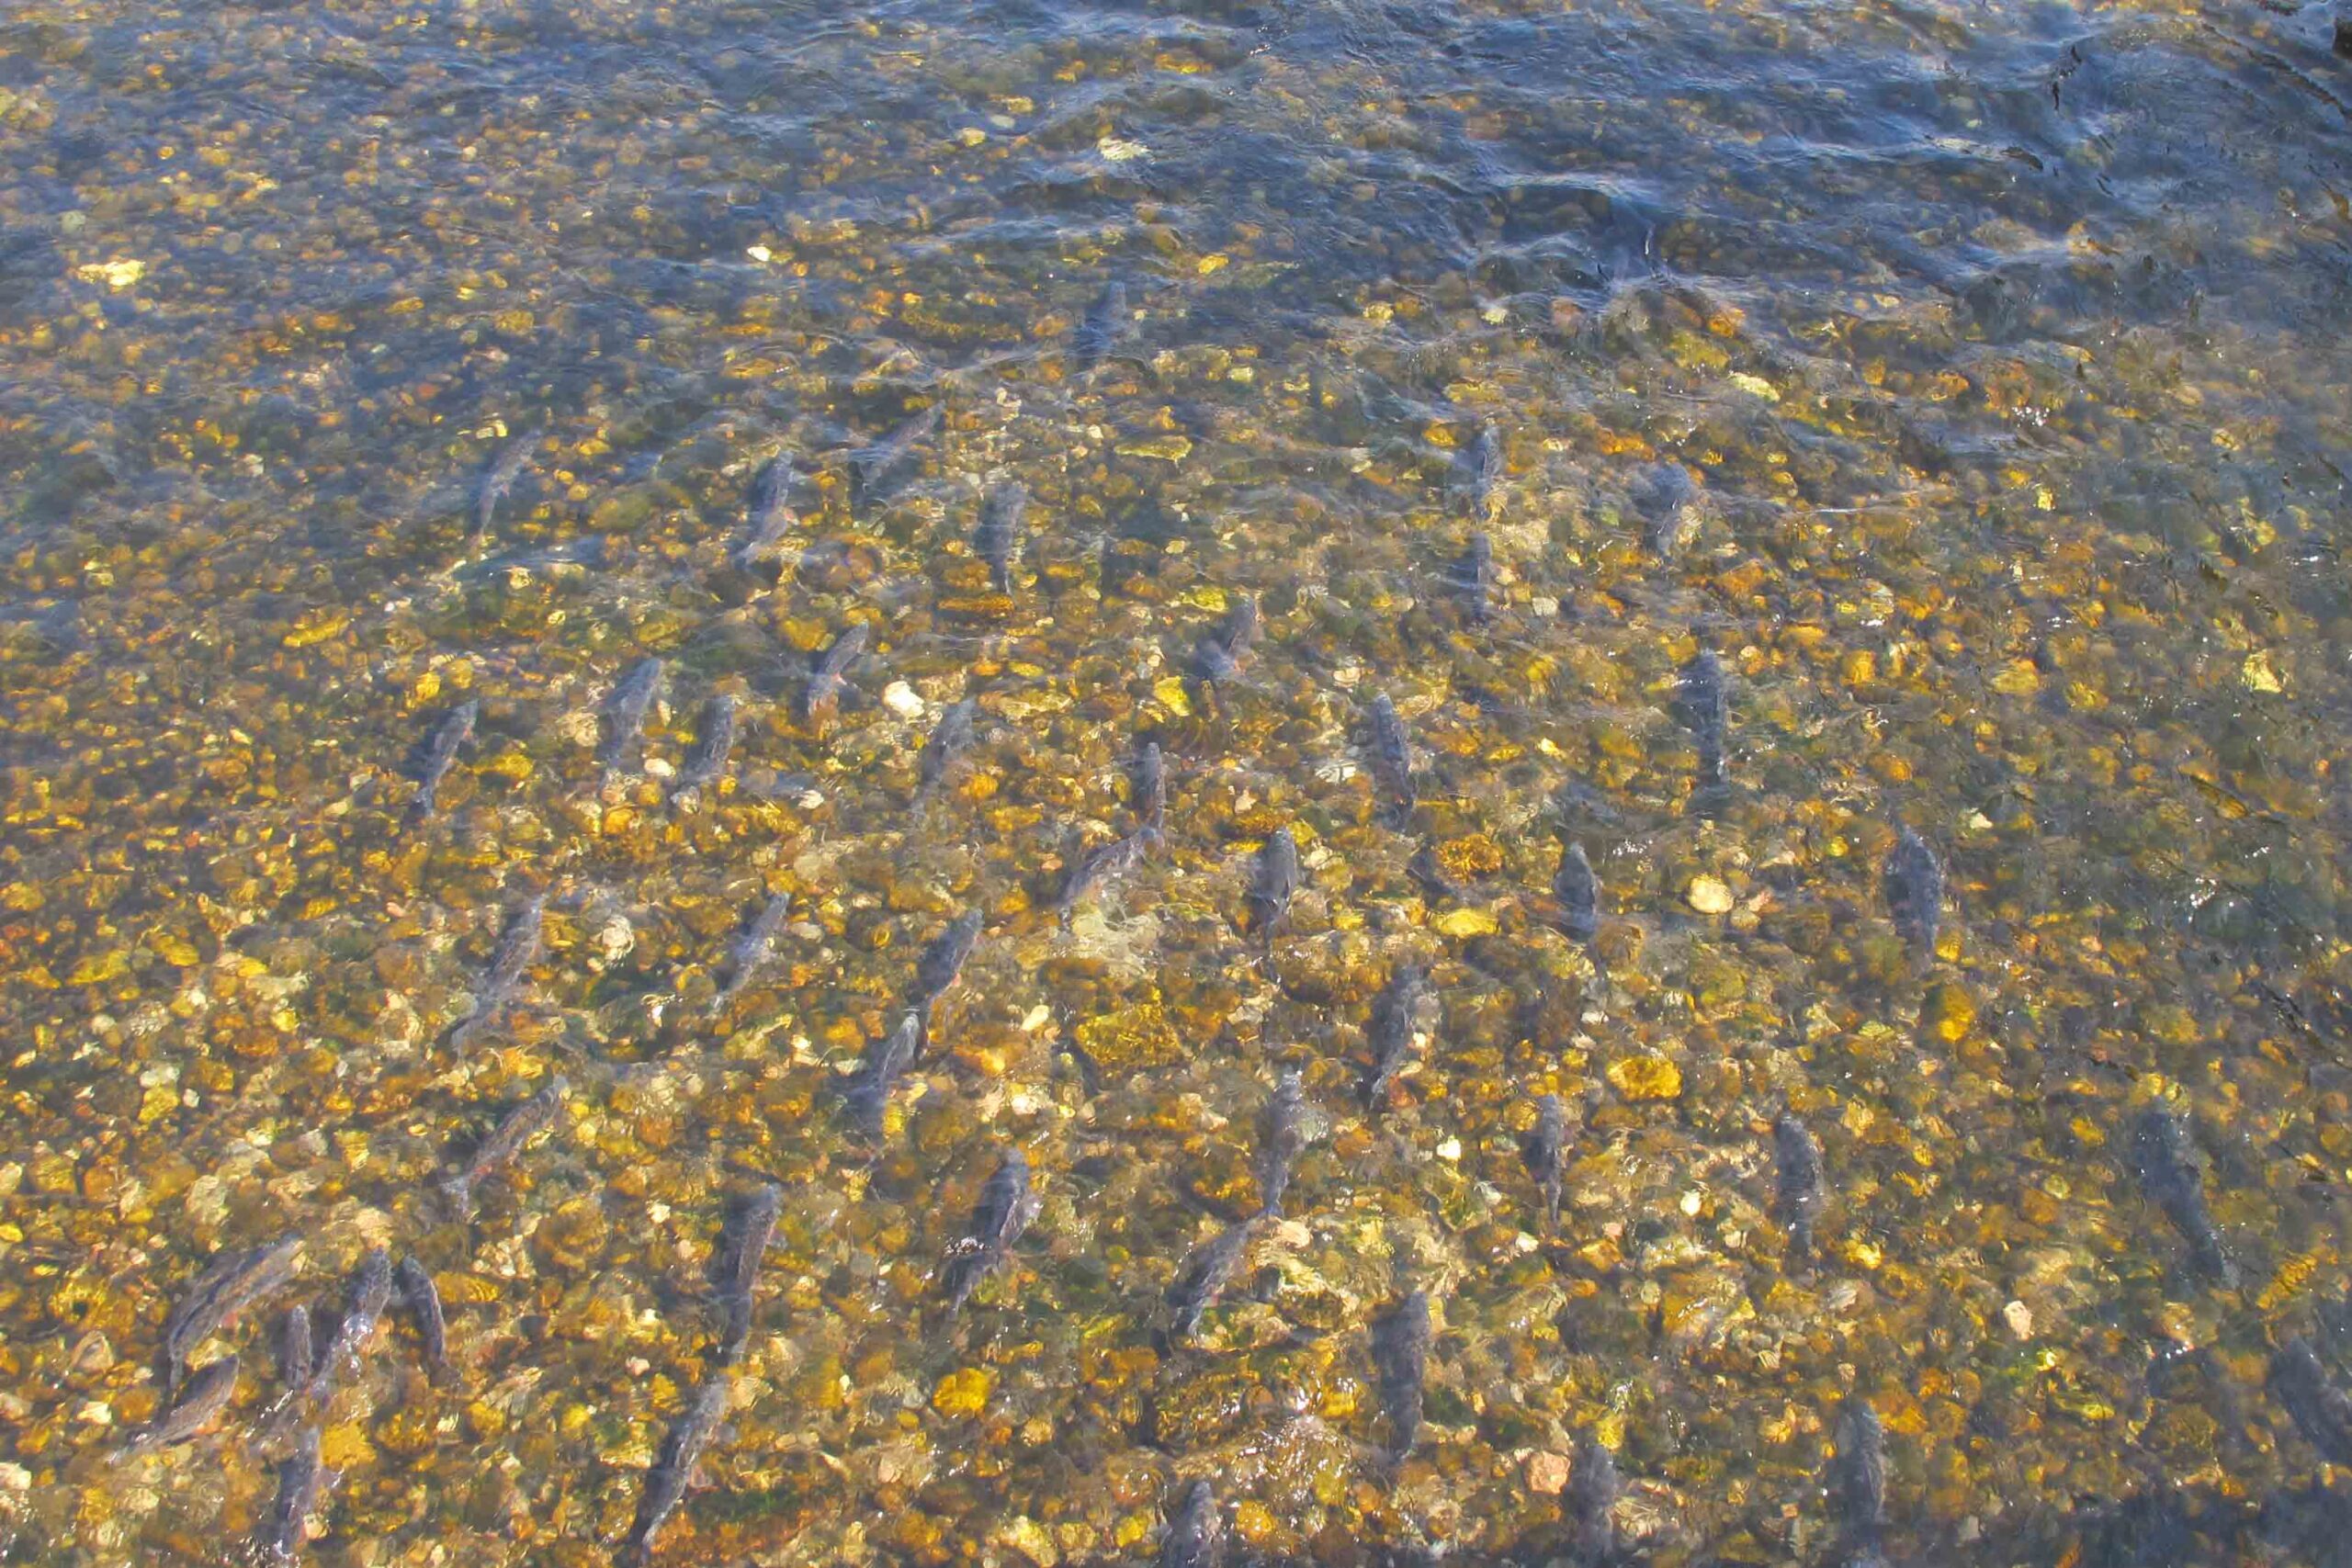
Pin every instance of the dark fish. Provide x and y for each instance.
(301, 1475)
(1392, 755)
(423, 1300)
(873, 466)
(682, 1450)
(771, 513)
(1390, 1030)
(1103, 863)
(297, 1358)
(1195, 1537)
(505, 469)
(1400, 1355)
(1478, 471)
(1430, 871)
(1915, 891)
(1238, 630)
(371, 1291)
(235, 1281)
(752, 949)
(2319, 1409)
(1662, 494)
(517, 950)
(1003, 1212)
(1274, 880)
(996, 540)
(950, 740)
(885, 1063)
(1706, 711)
(1203, 1276)
(2169, 1174)
(1578, 892)
(942, 960)
(1593, 1489)
(632, 699)
(825, 675)
(1151, 785)
(454, 731)
(1858, 1473)
(1473, 578)
(516, 1128)
(201, 1401)
(709, 760)
(1799, 1188)
(749, 1232)
(1106, 322)
(1546, 1151)
(1213, 663)
(1282, 1138)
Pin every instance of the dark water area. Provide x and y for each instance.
(1733, 949)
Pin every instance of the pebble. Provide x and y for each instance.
(1710, 895)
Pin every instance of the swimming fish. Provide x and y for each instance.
(942, 960)
(2169, 1174)
(950, 740)
(1205, 1271)
(825, 676)
(422, 1299)
(1282, 1138)
(1103, 863)
(753, 948)
(709, 759)
(682, 1450)
(1546, 1151)
(874, 466)
(505, 469)
(1915, 891)
(205, 1393)
(1473, 578)
(440, 755)
(1477, 473)
(235, 1280)
(631, 700)
(1390, 1032)
(1003, 1212)
(997, 539)
(301, 1476)
(1273, 881)
(516, 1128)
(1799, 1188)
(517, 950)
(1150, 800)
(1706, 711)
(1858, 1474)
(1105, 322)
(1391, 755)
(371, 1291)
(1430, 871)
(297, 1359)
(1662, 494)
(771, 513)
(1400, 1353)
(2319, 1409)
(885, 1063)
(748, 1233)
(1593, 1489)
(1195, 1537)
(1579, 891)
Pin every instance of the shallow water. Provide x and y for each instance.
(1998, 346)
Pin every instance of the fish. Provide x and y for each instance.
(235, 1281)
(885, 1063)
(1858, 1473)
(997, 539)
(1799, 1188)
(1477, 473)
(1545, 1150)
(631, 700)
(682, 1450)
(772, 516)
(825, 675)
(199, 1401)
(2169, 1174)
(1391, 755)
(1914, 890)
(1149, 799)
(1390, 1030)
(875, 465)
(1473, 578)
(1430, 871)
(297, 1358)
(1706, 711)
(1282, 1138)
(1003, 1212)
(952, 737)
(423, 1300)
(1217, 657)
(440, 755)
(1105, 862)
(1662, 493)
(1213, 664)
(517, 950)
(1272, 882)
(1400, 1354)
(749, 1232)
(499, 478)
(1238, 630)
(1593, 1489)
(371, 1291)
(753, 948)
(516, 1128)
(1205, 1273)
(1195, 1537)
(942, 960)
(1105, 322)
(2319, 1409)
(709, 760)
(1579, 891)
(301, 1476)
